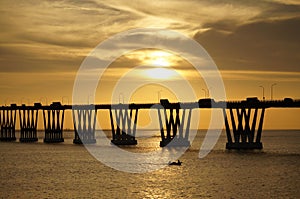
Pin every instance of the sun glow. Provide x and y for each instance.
(160, 73)
(160, 61)
(159, 58)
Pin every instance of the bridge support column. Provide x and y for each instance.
(8, 123)
(177, 127)
(84, 119)
(126, 120)
(28, 123)
(53, 123)
(243, 135)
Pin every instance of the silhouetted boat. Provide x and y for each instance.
(178, 163)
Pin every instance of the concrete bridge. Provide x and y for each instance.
(243, 130)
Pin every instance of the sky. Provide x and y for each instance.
(253, 43)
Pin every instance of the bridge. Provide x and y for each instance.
(243, 121)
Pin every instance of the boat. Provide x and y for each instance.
(178, 163)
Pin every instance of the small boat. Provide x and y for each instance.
(178, 163)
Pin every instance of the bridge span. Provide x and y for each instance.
(243, 121)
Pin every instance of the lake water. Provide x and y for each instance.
(65, 170)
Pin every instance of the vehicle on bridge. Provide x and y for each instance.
(206, 102)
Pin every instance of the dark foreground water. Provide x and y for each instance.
(38, 170)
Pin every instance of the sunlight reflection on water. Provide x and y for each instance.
(38, 170)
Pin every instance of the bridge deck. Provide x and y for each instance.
(202, 103)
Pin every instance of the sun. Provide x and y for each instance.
(160, 73)
(160, 62)
(159, 58)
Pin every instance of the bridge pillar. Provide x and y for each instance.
(8, 123)
(28, 123)
(176, 124)
(244, 134)
(84, 119)
(125, 122)
(53, 123)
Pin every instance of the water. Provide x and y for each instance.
(65, 170)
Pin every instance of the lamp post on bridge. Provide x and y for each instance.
(46, 100)
(5, 101)
(159, 95)
(89, 98)
(208, 91)
(8, 101)
(205, 95)
(65, 97)
(263, 92)
(121, 94)
(272, 90)
(28, 100)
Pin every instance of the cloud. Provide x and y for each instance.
(56, 35)
(271, 76)
(279, 10)
(270, 45)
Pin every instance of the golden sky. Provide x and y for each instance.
(253, 43)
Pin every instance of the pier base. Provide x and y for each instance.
(28, 135)
(53, 136)
(124, 142)
(53, 140)
(124, 139)
(244, 145)
(176, 142)
(29, 139)
(84, 139)
(78, 141)
(7, 134)
(8, 139)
